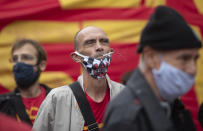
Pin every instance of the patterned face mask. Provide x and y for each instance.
(96, 67)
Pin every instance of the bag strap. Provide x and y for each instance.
(84, 107)
(20, 109)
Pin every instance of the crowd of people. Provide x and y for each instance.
(147, 99)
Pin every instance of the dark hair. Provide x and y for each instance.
(167, 30)
(41, 54)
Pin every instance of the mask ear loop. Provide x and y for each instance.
(82, 74)
(109, 54)
(161, 58)
(83, 84)
(83, 56)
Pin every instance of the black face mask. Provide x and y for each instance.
(25, 75)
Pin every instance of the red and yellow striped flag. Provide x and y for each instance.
(54, 22)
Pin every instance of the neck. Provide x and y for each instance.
(95, 88)
(32, 91)
(147, 72)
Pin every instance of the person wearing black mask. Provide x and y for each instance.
(28, 60)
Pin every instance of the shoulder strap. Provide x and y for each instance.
(20, 108)
(84, 107)
(6, 96)
(6, 104)
(14, 104)
(47, 89)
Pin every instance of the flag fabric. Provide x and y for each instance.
(54, 23)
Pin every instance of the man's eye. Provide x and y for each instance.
(15, 58)
(185, 58)
(27, 57)
(104, 40)
(90, 42)
(196, 57)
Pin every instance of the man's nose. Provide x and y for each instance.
(19, 59)
(191, 68)
(99, 47)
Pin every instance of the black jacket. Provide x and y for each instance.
(11, 103)
(200, 114)
(137, 108)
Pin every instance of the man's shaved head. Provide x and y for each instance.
(83, 31)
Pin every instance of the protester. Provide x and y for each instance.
(125, 77)
(28, 60)
(64, 109)
(200, 115)
(167, 69)
(9, 124)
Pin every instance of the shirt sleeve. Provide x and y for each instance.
(45, 116)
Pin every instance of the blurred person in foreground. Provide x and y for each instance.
(169, 51)
(126, 76)
(7, 123)
(200, 114)
(28, 60)
(61, 110)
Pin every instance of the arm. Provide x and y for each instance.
(45, 116)
(56, 112)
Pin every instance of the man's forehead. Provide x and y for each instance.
(91, 30)
(27, 48)
(192, 51)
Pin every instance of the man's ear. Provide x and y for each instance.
(151, 57)
(10, 60)
(75, 57)
(43, 65)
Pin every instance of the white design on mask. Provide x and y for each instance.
(97, 68)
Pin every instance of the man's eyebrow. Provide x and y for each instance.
(89, 40)
(184, 56)
(187, 56)
(107, 39)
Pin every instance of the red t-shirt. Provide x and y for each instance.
(32, 104)
(98, 109)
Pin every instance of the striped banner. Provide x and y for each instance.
(54, 22)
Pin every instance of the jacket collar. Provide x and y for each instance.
(142, 90)
(80, 80)
(47, 89)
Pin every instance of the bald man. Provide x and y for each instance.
(60, 110)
